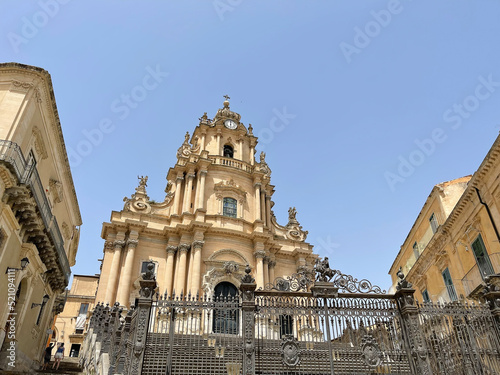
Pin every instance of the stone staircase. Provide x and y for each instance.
(69, 365)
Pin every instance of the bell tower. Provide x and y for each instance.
(215, 219)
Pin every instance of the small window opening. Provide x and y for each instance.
(230, 207)
(228, 151)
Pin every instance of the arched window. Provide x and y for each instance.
(229, 207)
(228, 151)
(226, 314)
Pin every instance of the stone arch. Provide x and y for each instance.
(216, 276)
(217, 253)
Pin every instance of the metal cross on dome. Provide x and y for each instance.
(227, 97)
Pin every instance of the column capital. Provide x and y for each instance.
(184, 247)
(198, 244)
(272, 264)
(260, 254)
(118, 244)
(108, 245)
(257, 184)
(267, 259)
(191, 175)
(171, 249)
(203, 173)
(131, 243)
(180, 178)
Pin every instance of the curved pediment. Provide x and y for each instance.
(227, 255)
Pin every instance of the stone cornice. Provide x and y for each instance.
(42, 79)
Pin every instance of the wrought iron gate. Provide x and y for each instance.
(295, 327)
(341, 335)
(192, 335)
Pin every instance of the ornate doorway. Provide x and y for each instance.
(225, 320)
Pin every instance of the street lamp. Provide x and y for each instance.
(24, 262)
(45, 299)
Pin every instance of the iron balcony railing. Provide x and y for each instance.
(475, 276)
(27, 174)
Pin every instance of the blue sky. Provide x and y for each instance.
(361, 106)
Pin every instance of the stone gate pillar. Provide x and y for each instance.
(144, 303)
(247, 288)
(414, 341)
(491, 294)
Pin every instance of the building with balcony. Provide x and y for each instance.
(215, 219)
(455, 243)
(72, 323)
(39, 215)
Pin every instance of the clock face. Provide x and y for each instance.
(230, 124)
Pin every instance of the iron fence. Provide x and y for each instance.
(326, 328)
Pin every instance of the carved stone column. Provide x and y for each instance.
(259, 256)
(148, 285)
(240, 148)
(114, 272)
(177, 196)
(201, 198)
(271, 266)
(188, 193)
(180, 283)
(218, 142)
(266, 270)
(169, 272)
(247, 288)
(268, 212)
(126, 277)
(197, 192)
(252, 155)
(263, 206)
(196, 276)
(257, 200)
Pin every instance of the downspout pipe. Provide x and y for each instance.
(489, 213)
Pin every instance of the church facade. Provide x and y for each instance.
(215, 219)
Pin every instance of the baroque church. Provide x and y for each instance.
(216, 218)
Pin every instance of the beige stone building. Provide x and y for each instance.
(455, 242)
(216, 218)
(71, 323)
(39, 215)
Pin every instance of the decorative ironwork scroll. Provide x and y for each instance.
(298, 282)
(345, 283)
(348, 284)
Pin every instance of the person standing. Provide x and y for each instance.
(46, 356)
(58, 356)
